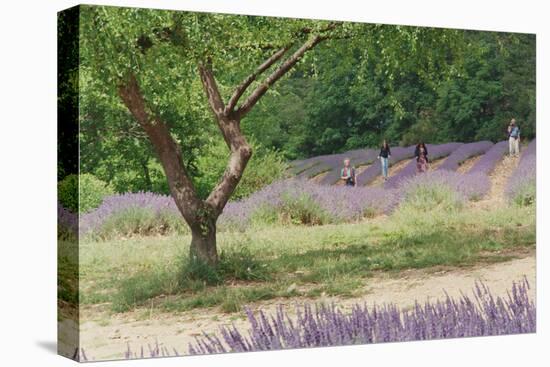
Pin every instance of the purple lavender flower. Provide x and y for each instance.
(469, 186)
(67, 221)
(116, 204)
(521, 187)
(464, 152)
(326, 325)
(489, 160)
(435, 152)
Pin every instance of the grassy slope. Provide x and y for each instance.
(290, 261)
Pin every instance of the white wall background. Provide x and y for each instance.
(28, 180)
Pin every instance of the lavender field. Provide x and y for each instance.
(302, 240)
(300, 201)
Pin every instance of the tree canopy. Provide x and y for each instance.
(365, 83)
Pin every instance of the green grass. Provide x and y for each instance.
(270, 262)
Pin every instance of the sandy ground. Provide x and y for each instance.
(106, 336)
(140, 328)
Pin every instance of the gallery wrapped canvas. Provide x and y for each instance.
(231, 183)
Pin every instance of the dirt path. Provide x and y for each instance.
(465, 166)
(499, 178)
(108, 336)
(392, 171)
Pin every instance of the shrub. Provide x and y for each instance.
(301, 209)
(432, 196)
(67, 193)
(133, 213)
(136, 221)
(82, 193)
(443, 188)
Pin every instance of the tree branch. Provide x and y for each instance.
(278, 74)
(239, 91)
(211, 89)
(168, 151)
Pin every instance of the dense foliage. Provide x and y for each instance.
(457, 86)
(368, 82)
(82, 193)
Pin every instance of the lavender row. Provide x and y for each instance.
(521, 187)
(115, 204)
(334, 203)
(487, 163)
(332, 163)
(339, 203)
(398, 154)
(464, 152)
(435, 152)
(469, 186)
(322, 325)
(358, 158)
(530, 150)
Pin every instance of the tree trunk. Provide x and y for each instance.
(147, 176)
(203, 241)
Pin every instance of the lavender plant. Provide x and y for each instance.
(435, 152)
(433, 186)
(139, 205)
(464, 152)
(323, 325)
(67, 223)
(489, 160)
(332, 203)
(521, 187)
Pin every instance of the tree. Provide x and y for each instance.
(127, 48)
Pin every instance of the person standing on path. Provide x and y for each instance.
(421, 153)
(384, 155)
(513, 138)
(348, 174)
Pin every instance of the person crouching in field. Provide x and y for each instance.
(513, 138)
(384, 155)
(421, 154)
(348, 174)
